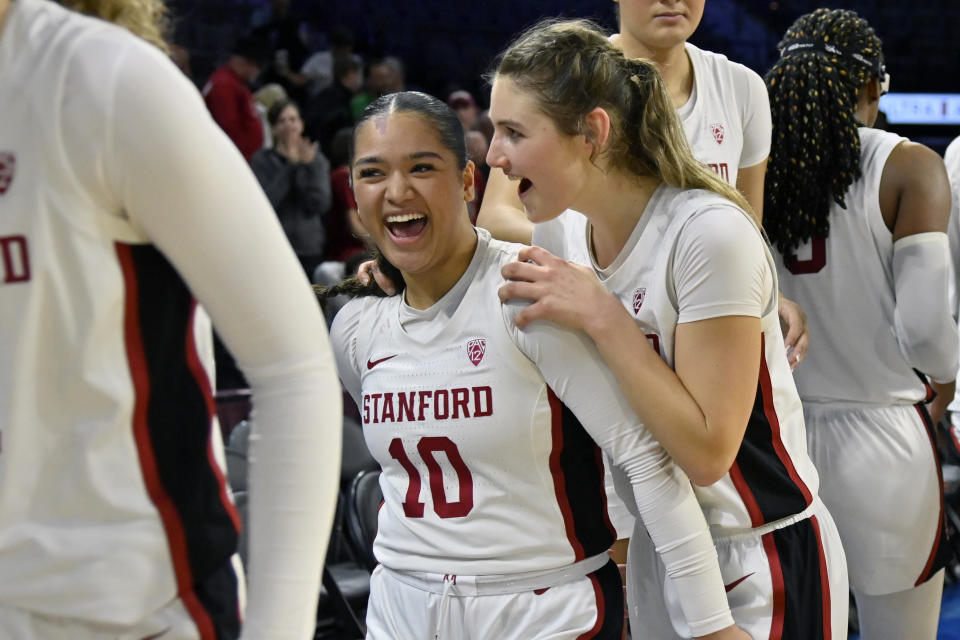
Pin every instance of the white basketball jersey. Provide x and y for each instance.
(772, 476)
(951, 158)
(845, 284)
(111, 500)
(727, 124)
(485, 471)
(727, 118)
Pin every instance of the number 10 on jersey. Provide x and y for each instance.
(427, 448)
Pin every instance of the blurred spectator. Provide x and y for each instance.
(229, 99)
(320, 68)
(345, 234)
(466, 108)
(264, 98)
(485, 125)
(329, 111)
(477, 146)
(296, 178)
(384, 75)
(284, 34)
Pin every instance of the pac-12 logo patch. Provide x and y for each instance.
(638, 295)
(717, 129)
(475, 350)
(8, 164)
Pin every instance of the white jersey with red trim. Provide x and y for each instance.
(845, 285)
(79, 534)
(727, 117)
(490, 437)
(117, 198)
(726, 121)
(951, 159)
(695, 255)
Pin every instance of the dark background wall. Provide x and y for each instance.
(450, 43)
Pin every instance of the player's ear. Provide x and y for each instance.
(469, 181)
(596, 126)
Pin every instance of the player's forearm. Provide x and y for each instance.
(501, 212)
(505, 223)
(659, 397)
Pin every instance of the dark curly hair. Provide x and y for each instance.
(827, 57)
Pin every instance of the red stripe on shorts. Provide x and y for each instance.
(779, 591)
(601, 610)
(925, 574)
(824, 581)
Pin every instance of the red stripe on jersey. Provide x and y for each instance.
(766, 389)
(925, 574)
(556, 470)
(603, 494)
(173, 526)
(601, 610)
(203, 383)
(779, 591)
(749, 500)
(824, 581)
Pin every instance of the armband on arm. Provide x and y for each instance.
(922, 318)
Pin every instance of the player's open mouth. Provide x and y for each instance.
(405, 225)
(524, 187)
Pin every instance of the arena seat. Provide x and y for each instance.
(362, 508)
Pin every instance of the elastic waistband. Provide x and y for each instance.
(829, 408)
(816, 507)
(457, 585)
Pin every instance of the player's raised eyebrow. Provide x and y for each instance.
(417, 155)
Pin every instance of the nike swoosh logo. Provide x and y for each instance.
(372, 363)
(156, 635)
(730, 587)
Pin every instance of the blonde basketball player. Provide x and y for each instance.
(859, 217)
(123, 208)
(722, 106)
(681, 301)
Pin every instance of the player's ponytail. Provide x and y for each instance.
(659, 138)
(827, 56)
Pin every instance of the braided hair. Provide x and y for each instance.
(354, 288)
(569, 67)
(827, 57)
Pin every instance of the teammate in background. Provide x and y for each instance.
(951, 159)
(122, 208)
(722, 106)
(684, 312)
(859, 217)
(493, 523)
